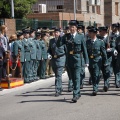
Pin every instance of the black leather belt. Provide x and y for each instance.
(58, 56)
(94, 56)
(75, 52)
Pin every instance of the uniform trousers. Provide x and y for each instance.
(58, 78)
(94, 69)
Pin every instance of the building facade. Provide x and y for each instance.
(88, 11)
(112, 11)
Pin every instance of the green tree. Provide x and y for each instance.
(21, 8)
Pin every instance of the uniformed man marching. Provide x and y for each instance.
(56, 51)
(110, 47)
(117, 56)
(70, 83)
(75, 43)
(80, 29)
(117, 64)
(96, 52)
(115, 33)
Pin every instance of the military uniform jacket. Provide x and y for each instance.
(32, 49)
(113, 36)
(82, 57)
(44, 49)
(96, 50)
(74, 48)
(26, 45)
(118, 50)
(112, 45)
(57, 51)
(118, 44)
(18, 45)
(38, 49)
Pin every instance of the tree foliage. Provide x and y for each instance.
(21, 8)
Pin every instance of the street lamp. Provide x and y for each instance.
(12, 8)
(74, 9)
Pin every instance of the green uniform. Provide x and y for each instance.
(38, 57)
(57, 51)
(90, 79)
(95, 49)
(82, 73)
(18, 45)
(42, 67)
(32, 58)
(107, 70)
(75, 44)
(26, 69)
(70, 83)
(117, 73)
(114, 58)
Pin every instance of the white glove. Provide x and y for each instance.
(49, 57)
(87, 65)
(109, 50)
(115, 52)
(105, 65)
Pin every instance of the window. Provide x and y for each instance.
(59, 7)
(116, 8)
(98, 9)
(87, 6)
(93, 9)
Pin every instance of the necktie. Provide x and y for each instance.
(92, 41)
(72, 36)
(56, 40)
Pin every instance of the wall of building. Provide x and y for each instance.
(10, 23)
(90, 13)
(115, 18)
(110, 16)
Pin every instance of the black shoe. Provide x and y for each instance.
(57, 94)
(1, 89)
(81, 86)
(94, 93)
(27, 82)
(118, 85)
(70, 89)
(90, 83)
(61, 91)
(106, 88)
(43, 77)
(75, 99)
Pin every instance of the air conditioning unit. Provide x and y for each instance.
(98, 2)
(91, 2)
(42, 8)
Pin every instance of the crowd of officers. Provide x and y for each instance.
(37, 54)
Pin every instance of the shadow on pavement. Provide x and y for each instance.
(59, 100)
